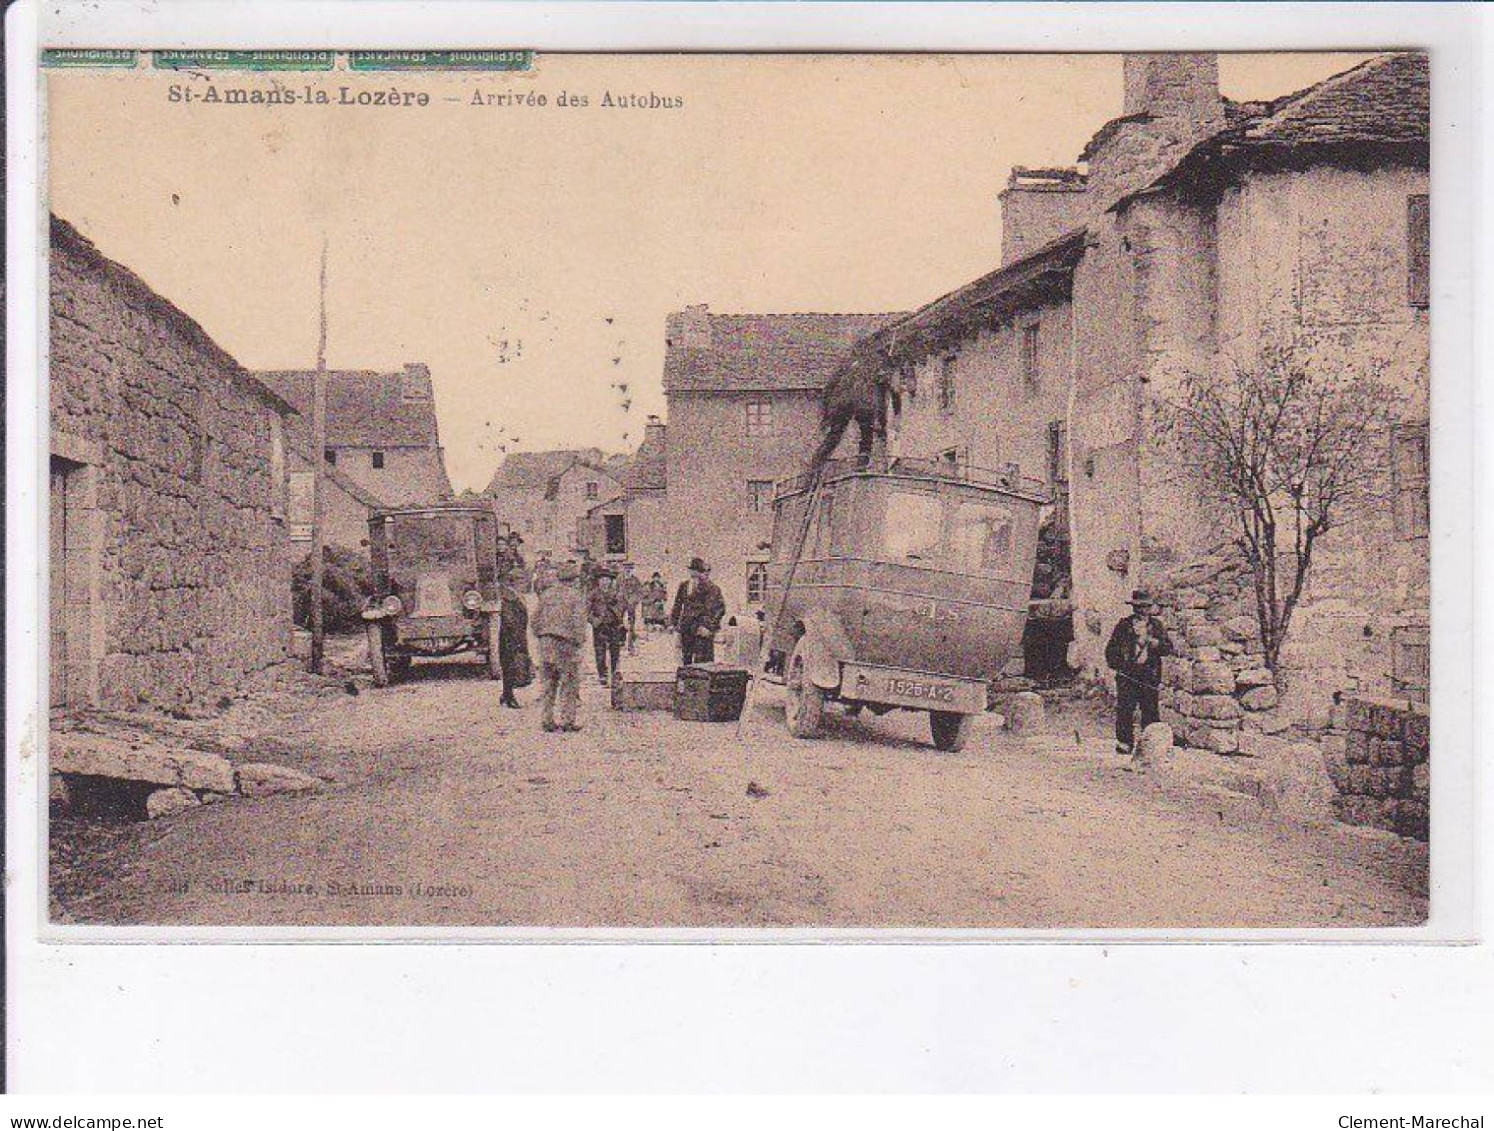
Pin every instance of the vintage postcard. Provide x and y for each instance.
(526, 490)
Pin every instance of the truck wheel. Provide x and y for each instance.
(951, 729)
(804, 703)
(375, 633)
(495, 666)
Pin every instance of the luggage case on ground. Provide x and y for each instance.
(710, 693)
(644, 691)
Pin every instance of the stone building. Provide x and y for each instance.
(745, 393)
(1202, 234)
(1220, 232)
(633, 526)
(546, 496)
(382, 449)
(169, 577)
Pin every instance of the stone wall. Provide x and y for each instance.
(191, 581)
(1217, 693)
(1378, 755)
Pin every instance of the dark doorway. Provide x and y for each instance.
(617, 533)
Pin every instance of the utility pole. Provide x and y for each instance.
(318, 459)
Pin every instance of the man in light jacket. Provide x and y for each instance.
(560, 627)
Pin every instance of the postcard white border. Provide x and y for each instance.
(61, 982)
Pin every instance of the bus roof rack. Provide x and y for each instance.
(1008, 478)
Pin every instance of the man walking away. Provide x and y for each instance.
(698, 609)
(630, 590)
(1135, 654)
(608, 617)
(560, 625)
(513, 641)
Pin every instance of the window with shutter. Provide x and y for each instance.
(1419, 251)
(1411, 468)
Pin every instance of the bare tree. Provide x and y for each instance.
(1284, 452)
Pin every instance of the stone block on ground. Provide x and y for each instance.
(1025, 713)
(173, 799)
(139, 759)
(1219, 740)
(1155, 743)
(58, 794)
(261, 779)
(1301, 783)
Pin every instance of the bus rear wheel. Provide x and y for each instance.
(804, 703)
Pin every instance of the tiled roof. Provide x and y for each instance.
(766, 352)
(1384, 100)
(539, 469)
(365, 408)
(1377, 111)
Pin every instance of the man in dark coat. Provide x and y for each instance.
(1135, 654)
(609, 625)
(698, 609)
(513, 641)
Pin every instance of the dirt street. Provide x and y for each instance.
(441, 808)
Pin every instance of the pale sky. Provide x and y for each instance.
(529, 255)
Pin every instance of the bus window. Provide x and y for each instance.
(911, 532)
(982, 538)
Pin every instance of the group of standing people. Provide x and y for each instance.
(576, 597)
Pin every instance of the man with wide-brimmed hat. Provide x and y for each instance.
(698, 609)
(1135, 654)
(560, 627)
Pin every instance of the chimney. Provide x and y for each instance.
(1179, 86)
(689, 328)
(1038, 206)
(1172, 103)
(653, 431)
(415, 382)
